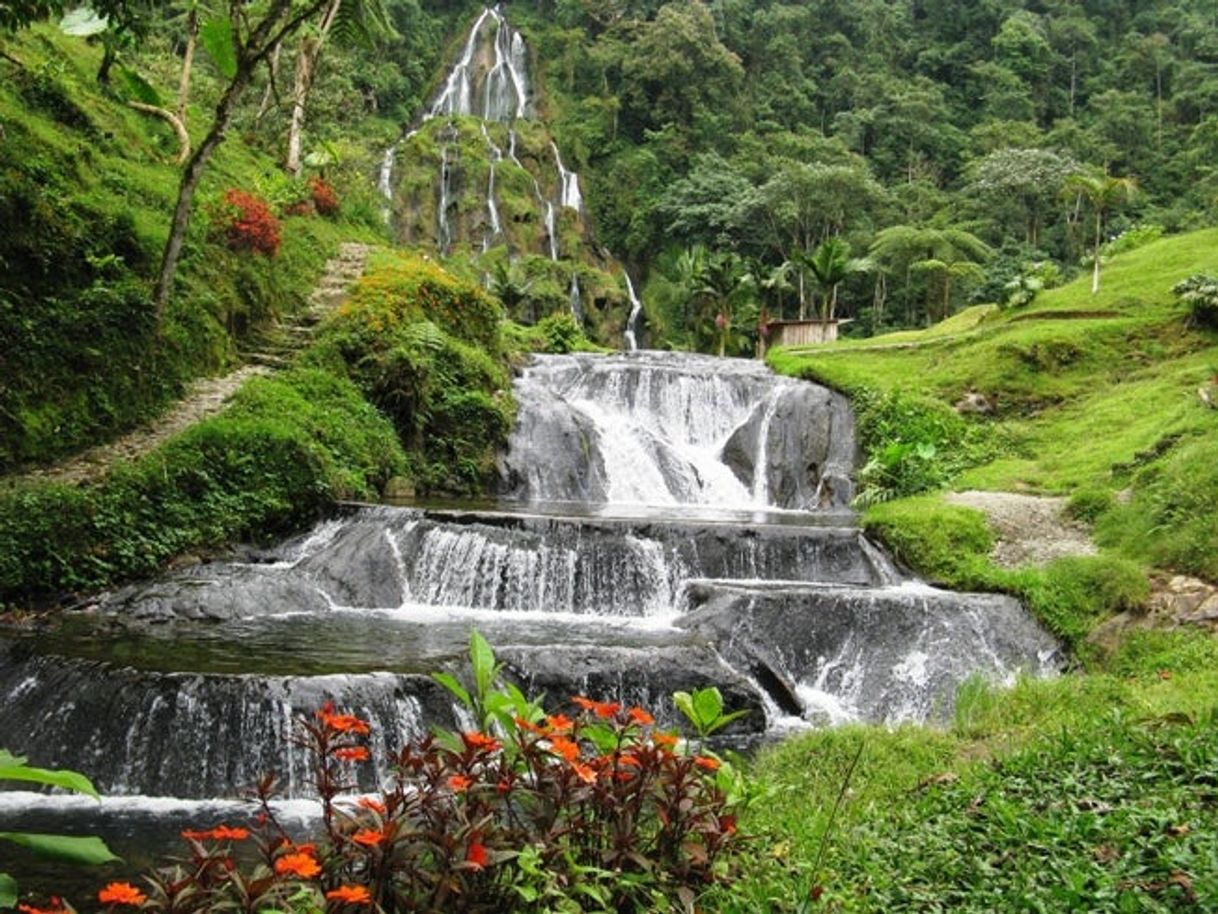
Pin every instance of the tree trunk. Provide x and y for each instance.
(268, 97)
(303, 76)
(1095, 273)
(188, 60)
(802, 300)
(190, 183)
(109, 56)
(306, 63)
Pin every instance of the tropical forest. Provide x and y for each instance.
(588, 456)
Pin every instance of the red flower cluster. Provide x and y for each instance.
(325, 198)
(251, 226)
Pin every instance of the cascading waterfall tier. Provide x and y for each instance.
(674, 521)
(662, 429)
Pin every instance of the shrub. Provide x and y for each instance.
(1200, 294)
(600, 811)
(913, 444)
(247, 223)
(325, 197)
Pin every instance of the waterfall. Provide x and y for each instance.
(576, 298)
(664, 527)
(632, 322)
(444, 234)
(456, 97)
(569, 194)
(492, 208)
(505, 92)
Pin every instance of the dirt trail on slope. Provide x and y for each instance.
(208, 396)
(1030, 528)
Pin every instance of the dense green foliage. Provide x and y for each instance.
(426, 349)
(86, 179)
(767, 128)
(280, 456)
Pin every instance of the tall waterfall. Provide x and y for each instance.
(672, 521)
(489, 80)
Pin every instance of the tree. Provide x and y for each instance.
(1103, 192)
(1027, 178)
(355, 21)
(950, 254)
(239, 45)
(829, 266)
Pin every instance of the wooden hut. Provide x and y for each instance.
(801, 333)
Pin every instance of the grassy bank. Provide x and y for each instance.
(409, 379)
(1093, 792)
(1088, 793)
(87, 186)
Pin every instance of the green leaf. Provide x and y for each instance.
(216, 36)
(685, 704)
(602, 737)
(450, 682)
(70, 780)
(483, 658)
(83, 22)
(141, 90)
(708, 704)
(89, 851)
(724, 719)
(8, 891)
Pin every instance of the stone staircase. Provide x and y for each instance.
(275, 346)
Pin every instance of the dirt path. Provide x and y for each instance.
(1029, 528)
(208, 396)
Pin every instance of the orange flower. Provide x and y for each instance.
(369, 837)
(560, 745)
(342, 723)
(476, 855)
(219, 833)
(528, 725)
(710, 764)
(372, 804)
(664, 740)
(476, 740)
(641, 717)
(585, 773)
(352, 754)
(602, 709)
(728, 824)
(121, 893)
(350, 894)
(559, 723)
(460, 782)
(299, 864)
(629, 760)
(56, 908)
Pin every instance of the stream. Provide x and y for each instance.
(665, 521)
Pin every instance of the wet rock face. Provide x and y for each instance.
(656, 428)
(808, 448)
(882, 654)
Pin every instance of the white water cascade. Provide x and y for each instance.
(495, 229)
(632, 322)
(569, 193)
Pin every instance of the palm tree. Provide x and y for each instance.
(1103, 192)
(949, 253)
(829, 266)
(778, 281)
